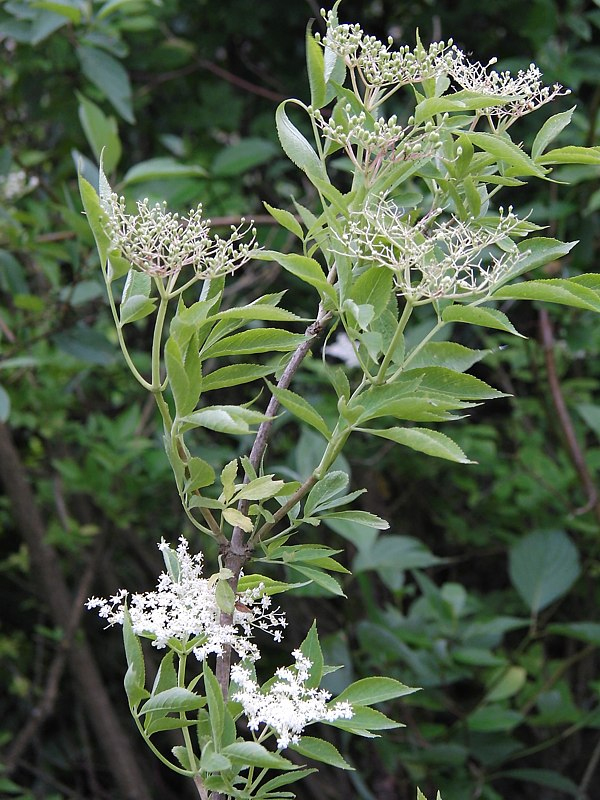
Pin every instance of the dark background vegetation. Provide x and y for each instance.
(509, 707)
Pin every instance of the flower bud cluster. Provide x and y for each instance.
(161, 243)
(525, 89)
(432, 259)
(184, 608)
(379, 66)
(288, 705)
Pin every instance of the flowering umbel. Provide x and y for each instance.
(184, 608)
(432, 259)
(288, 705)
(162, 243)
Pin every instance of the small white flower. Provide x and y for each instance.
(288, 705)
(184, 607)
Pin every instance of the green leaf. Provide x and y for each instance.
(134, 690)
(97, 218)
(480, 315)
(329, 486)
(65, 9)
(257, 340)
(311, 649)
(373, 287)
(320, 750)
(216, 705)
(236, 518)
(135, 299)
(224, 594)
(109, 76)
(244, 155)
(260, 489)
(101, 132)
(505, 683)
(234, 375)
(433, 443)
(301, 408)
(365, 719)
(286, 220)
(210, 761)
(543, 777)
(166, 677)
(304, 268)
(504, 149)
(176, 699)
(448, 382)
(360, 518)
(163, 168)
(315, 63)
(254, 754)
(493, 718)
(538, 252)
(543, 566)
(284, 780)
(571, 155)
(396, 552)
(185, 398)
(464, 100)
(258, 311)
(234, 420)
(133, 649)
(270, 586)
(447, 354)
(200, 473)
(552, 290)
(322, 579)
(295, 145)
(549, 131)
(368, 691)
(585, 631)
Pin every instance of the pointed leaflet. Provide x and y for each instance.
(320, 750)
(552, 290)
(97, 218)
(234, 375)
(443, 381)
(216, 705)
(301, 408)
(176, 699)
(549, 131)
(234, 420)
(311, 649)
(504, 149)
(368, 691)
(254, 754)
(286, 220)
(446, 354)
(571, 155)
(304, 268)
(332, 484)
(295, 145)
(480, 315)
(433, 443)
(315, 64)
(258, 340)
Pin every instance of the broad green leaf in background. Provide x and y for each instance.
(110, 77)
(543, 566)
(242, 156)
(162, 168)
(101, 132)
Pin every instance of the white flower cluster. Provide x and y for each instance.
(525, 89)
(377, 65)
(184, 607)
(16, 184)
(161, 243)
(432, 259)
(288, 705)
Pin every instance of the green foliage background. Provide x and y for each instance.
(485, 590)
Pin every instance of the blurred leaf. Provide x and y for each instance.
(397, 552)
(162, 168)
(543, 566)
(243, 156)
(109, 76)
(4, 404)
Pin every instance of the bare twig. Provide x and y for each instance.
(564, 419)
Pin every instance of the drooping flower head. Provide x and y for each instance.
(184, 608)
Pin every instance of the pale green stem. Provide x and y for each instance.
(406, 312)
(438, 327)
(185, 731)
(188, 773)
(157, 337)
(134, 371)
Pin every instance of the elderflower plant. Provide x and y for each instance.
(408, 236)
